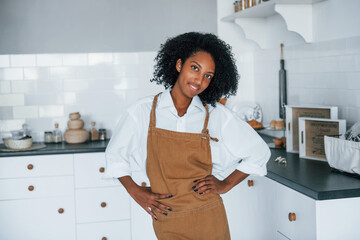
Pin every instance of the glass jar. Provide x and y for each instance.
(102, 134)
(48, 137)
(57, 134)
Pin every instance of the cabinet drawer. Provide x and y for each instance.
(102, 204)
(290, 201)
(89, 170)
(108, 230)
(38, 219)
(20, 188)
(36, 166)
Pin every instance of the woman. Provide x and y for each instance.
(186, 142)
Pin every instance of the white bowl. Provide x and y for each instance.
(18, 144)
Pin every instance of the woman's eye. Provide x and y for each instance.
(208, 76)
(195, 68)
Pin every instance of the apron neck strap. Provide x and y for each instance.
(206, 119)
(152, 114)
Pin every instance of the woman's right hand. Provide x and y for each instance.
(149, 201)
(145, 197)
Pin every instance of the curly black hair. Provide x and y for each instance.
(225, 81)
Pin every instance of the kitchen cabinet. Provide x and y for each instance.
(37, 198)
(249, 208)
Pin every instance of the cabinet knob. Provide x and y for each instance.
(104, 238)
(30, 166)
(103, 204)
(31, 188)
(143, 184)
(250, 183)
(102, 169)
(292, 217)
(61, 210)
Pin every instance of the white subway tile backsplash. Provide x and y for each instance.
(126, 58)
(69, 98)
(24, 86)
(4, 61)
(10, 100)
(75, 59)
(23, 60)
(50, 86)
(100, 58)
(11, 74)
(11, 125)
(6, 113)
(61, 72)
(51, 111)
(5, 87)
(45, 60)
(76, 85)
(38, 73)
(47, 98)
(26, 112)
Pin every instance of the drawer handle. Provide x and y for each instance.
(292, 217)
(30, 166)
(143, 184)
(61, 210)
(250, 183)
(103, 204)
(104, 238)
(31, 188)
(102, 169)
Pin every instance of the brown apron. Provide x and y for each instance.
(174, 161)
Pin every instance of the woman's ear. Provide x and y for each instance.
(178, 65)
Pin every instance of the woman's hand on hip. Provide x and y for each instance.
(149, 201)
(209, 184)
(145, 198)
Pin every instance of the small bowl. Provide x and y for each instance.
(18, 144)
(277, 142)
(74, 116)
(75, 124)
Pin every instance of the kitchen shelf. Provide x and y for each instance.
(296, 13)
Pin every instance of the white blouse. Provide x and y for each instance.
(239, 146)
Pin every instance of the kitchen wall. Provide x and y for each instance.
(81, 26)
(41, 89)
(324, 72)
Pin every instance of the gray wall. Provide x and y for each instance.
(61, 26)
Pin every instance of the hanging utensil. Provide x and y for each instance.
(282, 85)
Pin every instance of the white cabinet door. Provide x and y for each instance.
(119, 230)
(102, 204)
(290, 201)
(89, 170)
(20, 188)
(141, 221)
(38, 219)
(249, 209)
(36, 166)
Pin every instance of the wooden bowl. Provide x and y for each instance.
(75, 124)
(74, 116)
(76, 135)
(277, 142)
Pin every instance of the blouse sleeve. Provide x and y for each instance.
(121, 147)
(246, 145)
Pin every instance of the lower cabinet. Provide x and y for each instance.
(114, 230)
(38, 219)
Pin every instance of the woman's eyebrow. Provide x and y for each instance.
(200, 66)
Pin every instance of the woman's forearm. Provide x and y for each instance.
(234, 178)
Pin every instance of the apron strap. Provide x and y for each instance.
(152, 123)
(205, 130)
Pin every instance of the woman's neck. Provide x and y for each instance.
(181, 102)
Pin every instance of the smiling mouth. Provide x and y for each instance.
(193, 88)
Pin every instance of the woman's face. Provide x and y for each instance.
(195, 74)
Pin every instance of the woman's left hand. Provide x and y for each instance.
(210, 184)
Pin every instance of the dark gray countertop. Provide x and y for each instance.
(61, 148)
(309, 177)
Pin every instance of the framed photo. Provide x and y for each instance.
(292, 124)
(312, 132)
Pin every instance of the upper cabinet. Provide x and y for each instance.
(296, 13)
